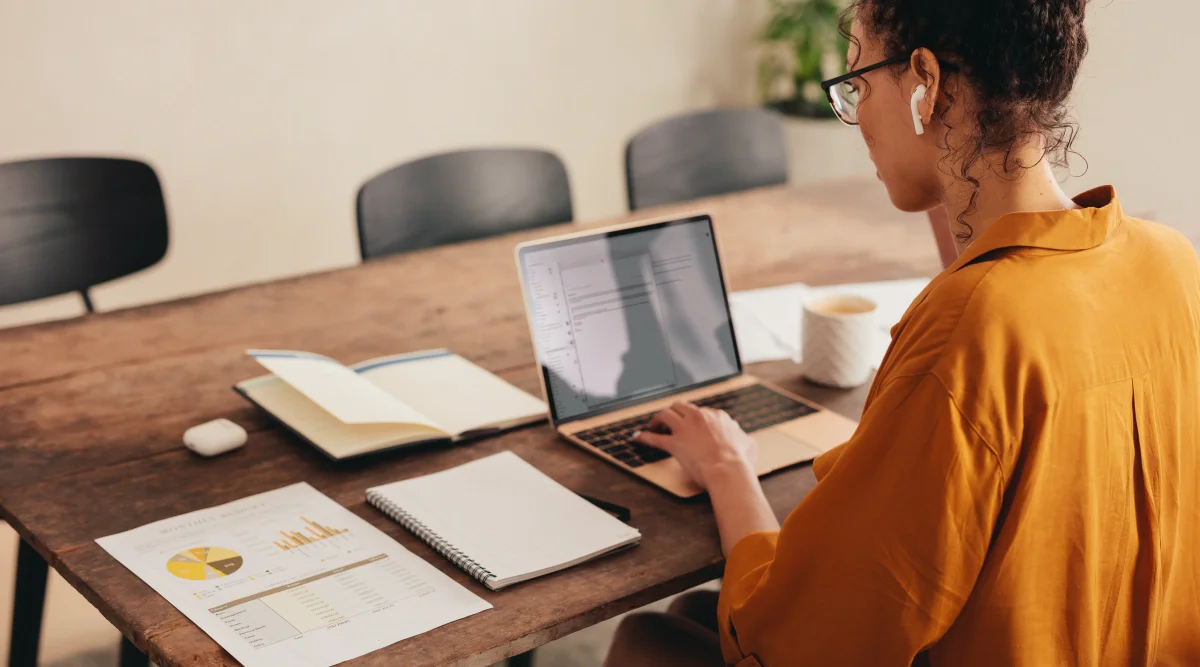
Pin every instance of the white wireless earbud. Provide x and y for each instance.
(917, 98)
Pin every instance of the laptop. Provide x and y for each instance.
(628, 320)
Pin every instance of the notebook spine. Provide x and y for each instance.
(428, 536)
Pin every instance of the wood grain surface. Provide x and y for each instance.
(92, 410)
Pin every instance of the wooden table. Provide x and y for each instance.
(92, 410)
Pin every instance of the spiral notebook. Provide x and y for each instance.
(501, 520)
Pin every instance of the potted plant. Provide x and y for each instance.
(804, 46)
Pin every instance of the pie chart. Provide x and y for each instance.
(204, 563)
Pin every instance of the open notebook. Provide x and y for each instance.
(386, 402)
(501, 520)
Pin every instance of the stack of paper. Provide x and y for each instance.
(768, 321)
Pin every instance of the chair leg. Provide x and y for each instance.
(87, 301)
(131, 656)
(28, 603)
(523, 660)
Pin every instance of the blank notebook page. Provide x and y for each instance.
(509, 517)
(321, 428)
(454, 393)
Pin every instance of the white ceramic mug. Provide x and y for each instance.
(836, 340)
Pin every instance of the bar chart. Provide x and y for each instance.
(312, 533)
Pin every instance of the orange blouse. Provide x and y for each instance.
(1024, 487)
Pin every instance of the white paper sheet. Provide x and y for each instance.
(290, 577)
(339, 390)
(768, 321)
(755, 342)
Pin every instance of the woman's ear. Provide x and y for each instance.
(926, 71)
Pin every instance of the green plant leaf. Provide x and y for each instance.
(811, 29)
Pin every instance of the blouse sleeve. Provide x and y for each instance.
(874, 565)
(824, 463)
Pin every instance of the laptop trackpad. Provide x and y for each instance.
(822, 430)
(777, 449)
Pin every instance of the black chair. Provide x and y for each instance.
(705, 154)
(66, 225)
(461, 196)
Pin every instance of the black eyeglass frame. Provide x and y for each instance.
(828, 84)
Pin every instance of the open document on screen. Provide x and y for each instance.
(626, 316)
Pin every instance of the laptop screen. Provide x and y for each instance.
(624, 316)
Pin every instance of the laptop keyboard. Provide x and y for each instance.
(754, 408)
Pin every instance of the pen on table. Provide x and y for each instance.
(614, 509)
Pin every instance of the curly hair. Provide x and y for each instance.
(1019, 57)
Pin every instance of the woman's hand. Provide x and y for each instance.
(705, 442)
(721, 458)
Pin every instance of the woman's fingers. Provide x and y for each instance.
(663, 441)
(659, 430)
(685, 409)
(670, 418)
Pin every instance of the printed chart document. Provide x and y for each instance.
(290, 577)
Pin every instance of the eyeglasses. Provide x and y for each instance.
(844, 96)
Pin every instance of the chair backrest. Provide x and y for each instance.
(67, 224)
(461, 196)
(705, 154)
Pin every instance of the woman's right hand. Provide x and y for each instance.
(705, 442)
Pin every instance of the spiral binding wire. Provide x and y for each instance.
(462, 560)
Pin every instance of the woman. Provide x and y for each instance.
(1022, 488)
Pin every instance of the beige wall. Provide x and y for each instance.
(263, 117)
(1137, 103)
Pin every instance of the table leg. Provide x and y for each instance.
(28, 603)
(523, 660)
(131, 656)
